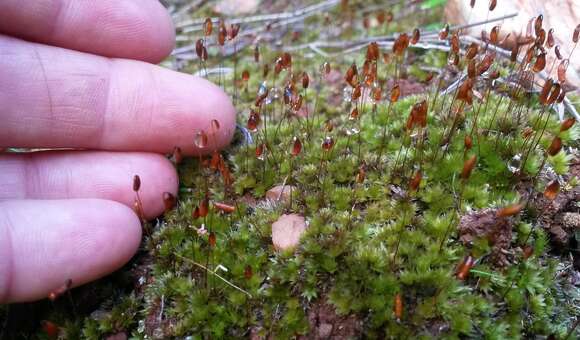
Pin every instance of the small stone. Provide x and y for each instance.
(325, 330)
(281, 193)
(287, 230)
(571, 221)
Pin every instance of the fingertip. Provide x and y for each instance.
(164, 31)
(225, 113)
(121, 233)
(162, 177)
(217, 105)
(53, 241)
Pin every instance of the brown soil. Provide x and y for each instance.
(497, 230)
(408, 86)
(560, 217)
(326, 324)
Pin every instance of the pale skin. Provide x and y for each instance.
(80, 74)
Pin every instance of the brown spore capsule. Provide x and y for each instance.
(444, 32)
(415, 181)
(328, 126)
(401, 44)
(555, 146)
(468, 166)
(552, 190)
(136, 183)
(199, 48)
(245, 75)
(486, 62)
(203, 207)
(327, 143)
(467, 142)
(222, 33)
(381, 17)
(465, 267)
(557, 52)
(366, 22)
(554, 94)
(472, 69)
(212, 239)
(416, 36)
(529, 55)
(356, 93)
(253, 121)
(494, 35)
(510, 210)
(538, 24)
(377, 94)
(233, 31)
(395, 93)
(550, 41)
(373, 51)
(50, 329)
(296, 147)
(223, 207)
(540, 63)
(562, 68)
(567, 124)
(248, 272)
(398, 306)
(260, 151)
(286, 60)
(351, 75)
(207, 27)
(465, 91)
(492, 5)
(305, 80)
(195, 214)
(545, 91)
(455, 43)
(353, 114)
(472, 51)
(361, 175)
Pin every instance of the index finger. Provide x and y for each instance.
(56, 98)
(134, 29)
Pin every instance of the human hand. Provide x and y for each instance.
(73, 74)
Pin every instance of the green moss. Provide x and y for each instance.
(367, 241)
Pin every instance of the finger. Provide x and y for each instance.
(135, 29)
(51, 97)
(45, 243)
(105, 175)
